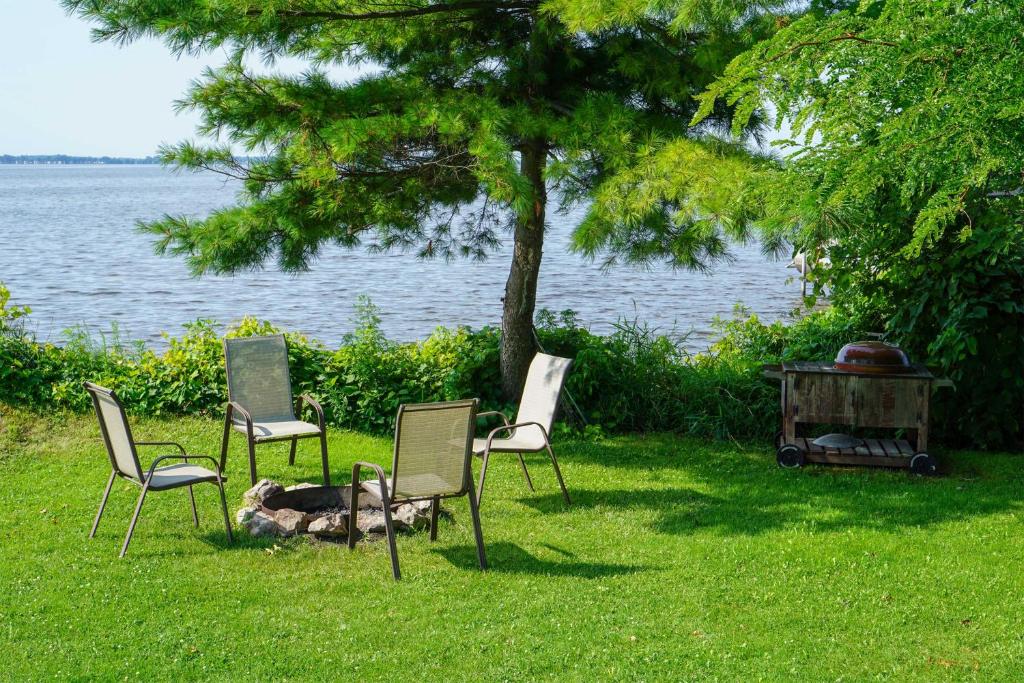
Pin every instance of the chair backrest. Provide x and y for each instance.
(258, 380)
(117, 435)
(541, 392)
(433, 449)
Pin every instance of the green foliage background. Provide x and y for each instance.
(905, 167)
(634, 380)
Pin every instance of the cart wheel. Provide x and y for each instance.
(922, 463)
(790, 456)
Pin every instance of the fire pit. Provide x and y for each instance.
(321, 511)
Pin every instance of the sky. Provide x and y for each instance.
(61, 93)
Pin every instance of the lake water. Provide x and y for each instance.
(69, 250)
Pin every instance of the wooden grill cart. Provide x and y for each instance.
(818, 392)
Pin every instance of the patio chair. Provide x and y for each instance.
(531, 432)
(260, 400)
(124, 462)
(431, 461)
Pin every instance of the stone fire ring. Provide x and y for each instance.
(321, 511)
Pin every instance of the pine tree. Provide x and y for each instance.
(473, 115)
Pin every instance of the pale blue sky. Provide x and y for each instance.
(60, 93)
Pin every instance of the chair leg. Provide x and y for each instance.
(353, 508)
(291, 453)
(195, 515)
(323, 457)
(474, 511)
(252, 461)
(224, 509)
(435, 509)
(389, 526)
(135, 519)
(103, 503)
(483, 476)
(526, 472)
(558, 472)
(224, 441)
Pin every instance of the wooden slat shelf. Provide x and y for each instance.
(878, 452)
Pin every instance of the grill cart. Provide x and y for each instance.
(859, 393)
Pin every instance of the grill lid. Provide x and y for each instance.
(872, 356)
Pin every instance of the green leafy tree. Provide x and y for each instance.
(474, 118)
(906, 159)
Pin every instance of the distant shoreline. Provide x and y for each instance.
(68, 160)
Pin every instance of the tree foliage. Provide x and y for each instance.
(468, 113)
(905, 162)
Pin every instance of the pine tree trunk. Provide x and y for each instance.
(517, 345)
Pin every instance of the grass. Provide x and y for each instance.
(678, 560)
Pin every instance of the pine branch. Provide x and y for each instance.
(845, 36)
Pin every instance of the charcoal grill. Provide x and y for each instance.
(827, 393)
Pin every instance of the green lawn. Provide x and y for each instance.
(679, 559)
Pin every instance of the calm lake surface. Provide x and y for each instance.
(69, 250)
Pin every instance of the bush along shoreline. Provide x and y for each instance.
(632, 380)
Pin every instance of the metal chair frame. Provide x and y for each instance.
(510, 428)
(388, 499)
(146, 482)
(233, 408)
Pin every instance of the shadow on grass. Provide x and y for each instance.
(170, 543)
(739, 492)
(510, 558)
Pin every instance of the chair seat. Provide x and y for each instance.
(183, 474)
(414, 486)
(279, 430)
(516, 444)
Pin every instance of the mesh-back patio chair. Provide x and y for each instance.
(531, 432)
(260, 400)
(124, 461)
(431, 461)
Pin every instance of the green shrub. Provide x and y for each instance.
(632, 380)
(817, 336)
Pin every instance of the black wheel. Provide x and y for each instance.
(790, 456)
(924, 464)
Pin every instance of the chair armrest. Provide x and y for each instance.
(381, 479)
(152, 466)
(235, 408)
(315, 405)
(511, 427)
(162, 443)
(504, 418)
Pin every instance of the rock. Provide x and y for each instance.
(261, 524)
(301, 485)
(291, 522)
(243, 515)
(422, 506)
(408, 517)
(331, 524)
(371, 521)
(263, 489)
(368, 498)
